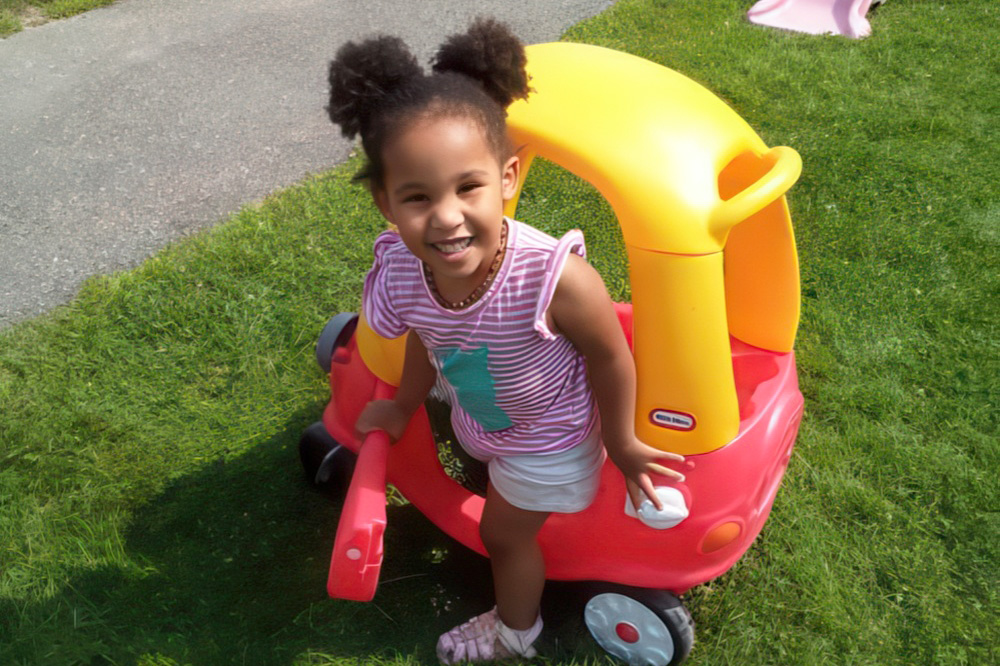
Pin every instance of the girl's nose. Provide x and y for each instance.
(448, 214)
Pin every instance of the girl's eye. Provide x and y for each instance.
(468, 187)
(415, 198)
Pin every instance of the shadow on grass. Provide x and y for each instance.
(231, 566)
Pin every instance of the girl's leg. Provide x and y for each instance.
(510, 536)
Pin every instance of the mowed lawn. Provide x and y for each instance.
(152, 508)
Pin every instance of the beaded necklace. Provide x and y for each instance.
(478, 292)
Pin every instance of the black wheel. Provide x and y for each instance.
(327, 465)
(640, 626)
(335, 334)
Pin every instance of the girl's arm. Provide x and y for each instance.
(583, 312)
(418, 378)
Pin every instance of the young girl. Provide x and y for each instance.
(513, 325)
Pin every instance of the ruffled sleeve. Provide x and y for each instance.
(377, 297)
(572, 241)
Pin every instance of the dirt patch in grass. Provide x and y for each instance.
(32, 16)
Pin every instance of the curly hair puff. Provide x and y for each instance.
(377, 88)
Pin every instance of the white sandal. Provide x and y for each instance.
(486, 638)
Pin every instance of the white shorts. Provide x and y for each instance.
(564, 482)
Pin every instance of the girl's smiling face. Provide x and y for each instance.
(445, 189)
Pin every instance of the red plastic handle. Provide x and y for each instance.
(357, 550)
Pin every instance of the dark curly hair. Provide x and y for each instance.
(377, 88)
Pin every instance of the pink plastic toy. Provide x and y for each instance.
(816, 17)
(724, 277)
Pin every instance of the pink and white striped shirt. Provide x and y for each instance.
(514, 386)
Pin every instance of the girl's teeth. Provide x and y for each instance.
(457, 246)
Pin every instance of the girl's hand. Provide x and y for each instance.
(385, 415)
(392, 416)
(638, 461)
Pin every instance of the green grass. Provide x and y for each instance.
(151, 507)
(13, 13)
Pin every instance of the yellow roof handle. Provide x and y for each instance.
(651, 140)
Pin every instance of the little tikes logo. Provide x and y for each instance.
(667, 418)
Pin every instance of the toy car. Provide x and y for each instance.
(715, 305)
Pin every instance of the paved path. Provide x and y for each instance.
(127, 127)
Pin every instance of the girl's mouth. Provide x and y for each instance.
(453, 247)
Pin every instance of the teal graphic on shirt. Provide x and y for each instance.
(467, 370)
